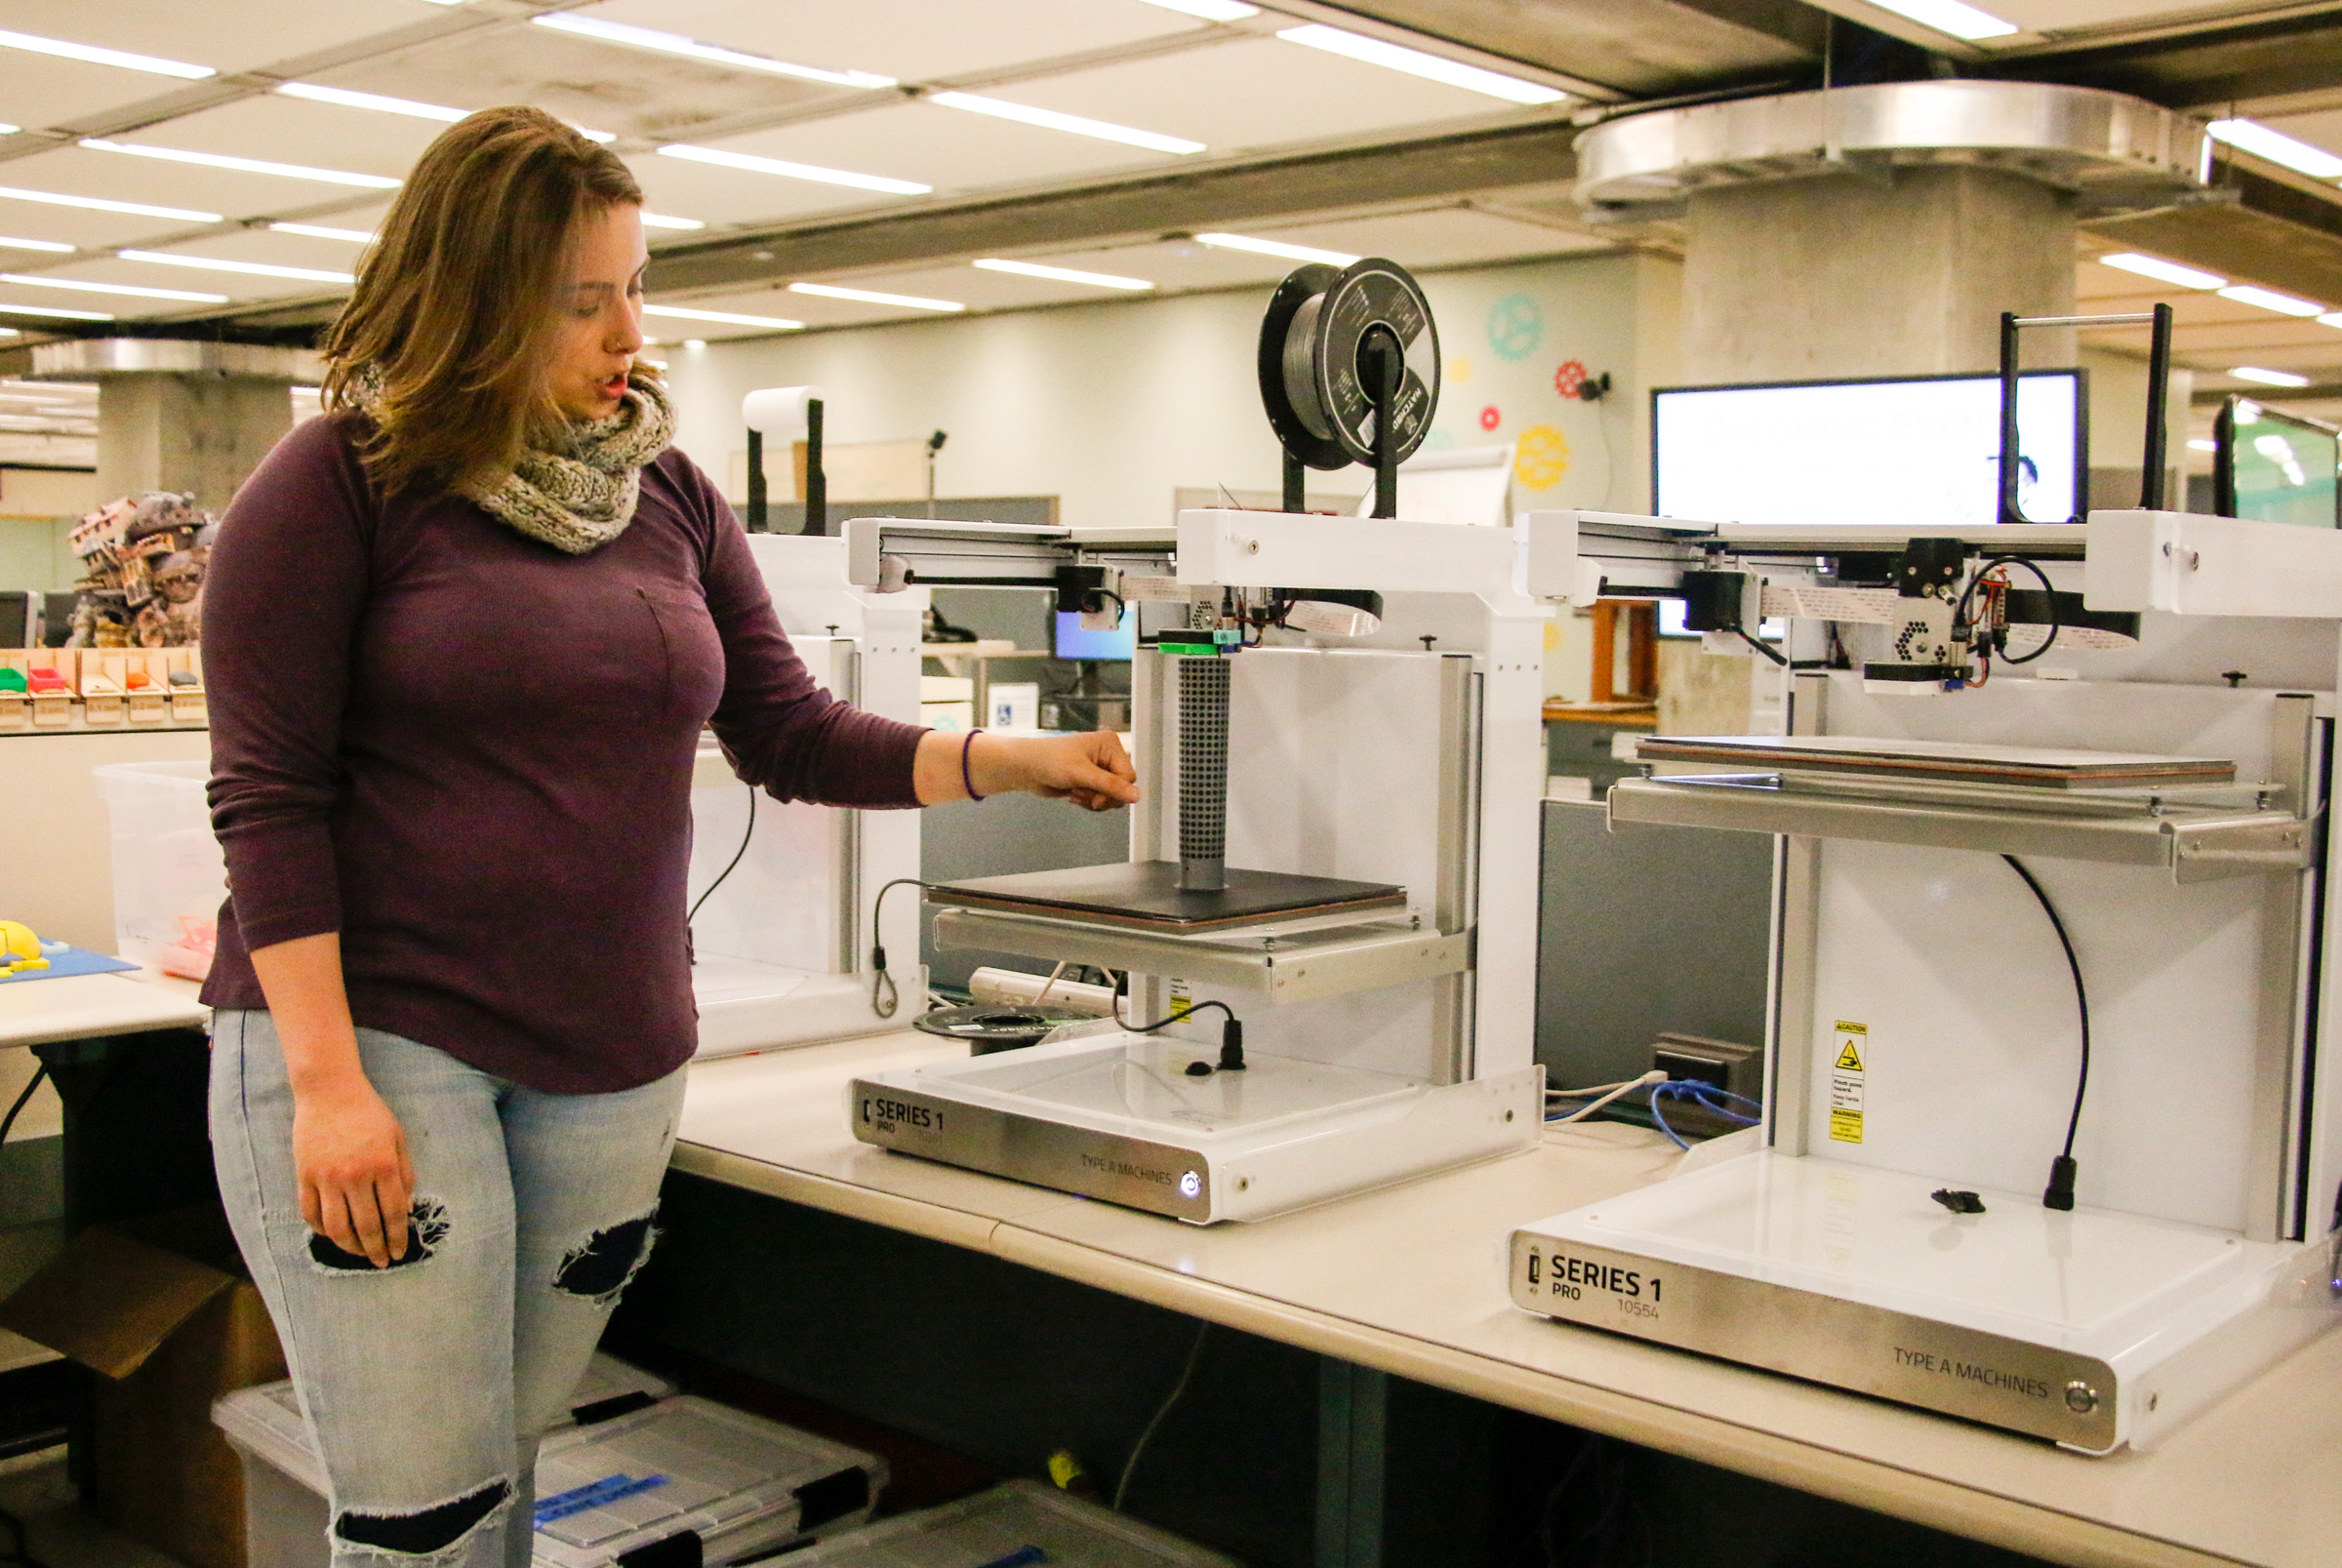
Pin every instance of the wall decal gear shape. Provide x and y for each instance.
(1569, 378)
(1515, 326)
(1542, 456)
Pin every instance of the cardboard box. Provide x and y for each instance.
(161, 1308)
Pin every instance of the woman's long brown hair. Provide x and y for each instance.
(455, 303)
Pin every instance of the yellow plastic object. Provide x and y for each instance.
(19, 948)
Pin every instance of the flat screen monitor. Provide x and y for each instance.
(1918, 451)
(1071, 640)
(2275, 467)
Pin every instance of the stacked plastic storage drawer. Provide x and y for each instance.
(640, 1475)
(1012, 1525)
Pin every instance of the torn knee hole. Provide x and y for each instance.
(427, 1227)
(601, 1268)
(423, 1532)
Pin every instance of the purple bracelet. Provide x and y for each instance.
(965, 777)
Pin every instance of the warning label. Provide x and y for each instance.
(1847, 1078)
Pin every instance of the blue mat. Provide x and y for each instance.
(72, 961)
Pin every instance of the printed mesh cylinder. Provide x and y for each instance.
(1203, 773)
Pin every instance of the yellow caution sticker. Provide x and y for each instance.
(1846, 1080)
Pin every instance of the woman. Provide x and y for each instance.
(462, 635)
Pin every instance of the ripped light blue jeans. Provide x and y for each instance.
(428, 1384)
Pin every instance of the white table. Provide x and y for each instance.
(82, 1007)
(1411, 1281)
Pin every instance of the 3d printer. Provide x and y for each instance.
(2050, 1138)
(1326, 926)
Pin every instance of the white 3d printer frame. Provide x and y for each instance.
(781, 948)
(1923, 1031)
(1380, 1046)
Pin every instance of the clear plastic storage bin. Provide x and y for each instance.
(169, 878)
(658, 1468)
(1017, 1522)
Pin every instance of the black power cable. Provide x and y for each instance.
(8, 1123)
(736, 858)
(1232, 1032)
(2059, 1194)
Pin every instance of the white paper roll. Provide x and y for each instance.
(777, 410)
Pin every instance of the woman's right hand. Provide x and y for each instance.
(349, 1158)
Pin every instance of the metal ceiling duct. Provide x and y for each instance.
(2115, 153)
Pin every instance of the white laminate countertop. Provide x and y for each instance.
(1411, 1280)
(78, 1007)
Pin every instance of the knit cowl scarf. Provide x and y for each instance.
(577, 492)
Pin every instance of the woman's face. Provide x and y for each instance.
(600, 329)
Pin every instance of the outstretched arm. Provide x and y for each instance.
(1090, 770)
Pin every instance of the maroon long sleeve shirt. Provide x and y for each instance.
(471, 755)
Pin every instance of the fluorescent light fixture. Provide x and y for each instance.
(2332, 318)
(1951, 17)
(1210, 10)
(10, 332)
(2203, 446)
(909, 301)
(2269, 378)
(9, 308)
(792, 171)
(371, 101)
(1291, 253)
(132, 289)
(733, 318)
(6, 244)
(1051, 120)
(1063, 274)
(250, 166)
(2285, 305)
(106, 57)
(318, 231)
(591, 133)
(1415, 62)
(7, 128)
(2251, 135)
(661, 221)
(2163, 271)
(258, 269)
(695, 343)
(98, 203)
(675, 43)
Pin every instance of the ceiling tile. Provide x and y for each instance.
(2053, 16)
(80, 171)
(1256, 93)
(2319, 130)
(627, 92)
(910, 40)
(42, 91)
(724, 198)
(1453, 236)
(228, 35)
(236, 286)
(287, 130)
(951, 149)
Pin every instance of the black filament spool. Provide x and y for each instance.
(1314, 380)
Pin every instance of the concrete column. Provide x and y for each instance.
(1873, 272)
(180, 415)
(188, 432)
